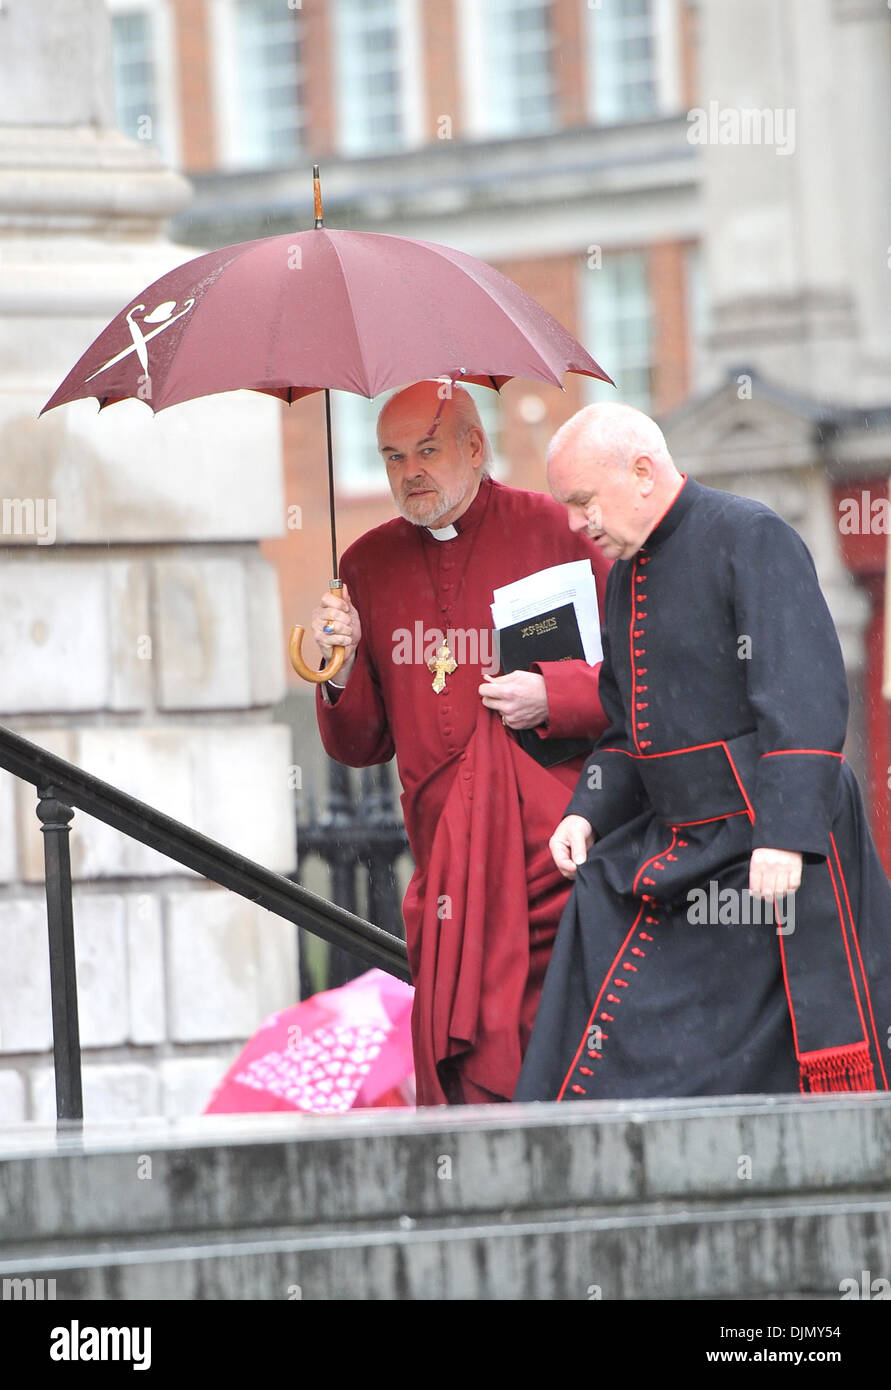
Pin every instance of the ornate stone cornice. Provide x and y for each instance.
(83, 177)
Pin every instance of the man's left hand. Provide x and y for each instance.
(773, 872)
(520, 698)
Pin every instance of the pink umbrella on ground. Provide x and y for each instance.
(290, 315)
(340, 1050)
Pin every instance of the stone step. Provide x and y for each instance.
(755, 1249)
(230, 1171)
(737, 1197)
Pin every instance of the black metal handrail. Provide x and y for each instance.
(62, 786)
(359, 838)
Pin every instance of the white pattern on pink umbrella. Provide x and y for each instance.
(324, 1072)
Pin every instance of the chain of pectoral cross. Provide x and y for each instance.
(444, 664)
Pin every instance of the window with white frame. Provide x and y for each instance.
(371, 60)
(143, 73)
(358, 466)
(133, 66)
(617, 317)
(633, 59)
(261, 77)
(508, 67)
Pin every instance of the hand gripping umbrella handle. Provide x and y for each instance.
(295, 651)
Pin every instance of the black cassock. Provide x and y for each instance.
(725, 688)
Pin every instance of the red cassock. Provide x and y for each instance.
(485, 899)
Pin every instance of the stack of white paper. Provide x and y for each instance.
(553, 588)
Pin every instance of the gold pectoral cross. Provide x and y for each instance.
(443, 665)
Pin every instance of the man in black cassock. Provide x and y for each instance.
(729, 928)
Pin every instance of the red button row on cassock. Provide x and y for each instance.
(651, 920)
(641, 651)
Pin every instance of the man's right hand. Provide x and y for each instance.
(570, 843)
(339, 615)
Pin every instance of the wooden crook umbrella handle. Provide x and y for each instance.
(295, 650)
(295, 643)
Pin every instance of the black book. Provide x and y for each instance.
(551, 636)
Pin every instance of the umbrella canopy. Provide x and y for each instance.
(321, 310)
(340, 1050)
(354, 311)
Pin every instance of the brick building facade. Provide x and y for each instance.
(552, 138)
(241, 196)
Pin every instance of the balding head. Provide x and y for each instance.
(436, 451)
(612, 433)
(610, 467)
(452, 404)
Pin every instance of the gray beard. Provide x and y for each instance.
(449, 505)
(431, 525)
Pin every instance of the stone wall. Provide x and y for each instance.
(140, 627)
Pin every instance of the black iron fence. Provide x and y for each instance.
(360, 838)
(62, 787)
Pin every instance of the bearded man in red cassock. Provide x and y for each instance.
(482, 908)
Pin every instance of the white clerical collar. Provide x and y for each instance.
(442, 533)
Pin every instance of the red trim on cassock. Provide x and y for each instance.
(817, 752)
(837, 1069)
(739, 783)
(652, 860)
(632, 627)
(694, 748)
(875, 1031)
(708, 820)
(791, 1010)
(841, 919)
(604, 986)
(834, 1051)
(847, 1067)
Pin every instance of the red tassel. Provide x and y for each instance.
(837, 1069)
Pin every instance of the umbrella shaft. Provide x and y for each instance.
(331, 485)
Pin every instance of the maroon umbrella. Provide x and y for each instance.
(293, 314)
